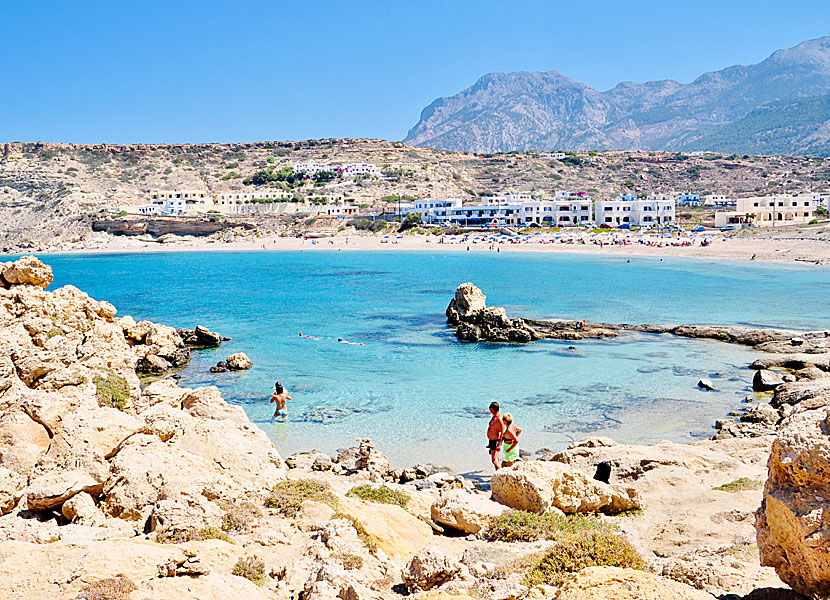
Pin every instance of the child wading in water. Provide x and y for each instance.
(279, 398)
(511, 441)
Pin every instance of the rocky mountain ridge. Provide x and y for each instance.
(545, 111)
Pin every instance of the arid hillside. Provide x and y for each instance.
(53, 191)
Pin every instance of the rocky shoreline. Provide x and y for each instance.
(111, 490)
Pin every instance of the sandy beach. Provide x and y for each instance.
(626, 244)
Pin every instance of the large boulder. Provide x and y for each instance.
(464, 511)
(51, 490)
(793, 522)
(238, 362)
(615, 583)
(28, 270)
(801, 391)
(429, 568)
(162, 391)
(12, 485)
(469, 299)
(22, 441)
(201, 337)
(101, 430)
(538, 486)
(207, 402)
(766, 380)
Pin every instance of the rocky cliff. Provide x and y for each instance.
(545, 111)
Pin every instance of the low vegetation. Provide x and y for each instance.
(287, 496)
(367, 225)
(113, 588)
(251, 568)
(362, 534)
(379, 494)
(239, 515)
(111, 390)
(740, 485)
(351, 562)
(180, 536)
(522, 526)
(579, 551)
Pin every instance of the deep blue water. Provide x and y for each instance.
(422, 395)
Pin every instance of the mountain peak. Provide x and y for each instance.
(527, 110)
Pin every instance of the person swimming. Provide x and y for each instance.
(342, 341)
(309, 337)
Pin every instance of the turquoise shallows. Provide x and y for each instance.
(419, 393)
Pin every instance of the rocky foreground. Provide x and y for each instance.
(111, 490)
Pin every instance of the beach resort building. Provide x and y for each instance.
(148, 209)
(718, 200)
(311, 168)
(341, 211)
(176, 202)
(512, 199)
(770, 211)
(357, 169)
(689, 200)
(635, 213)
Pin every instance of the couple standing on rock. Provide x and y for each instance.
(502, 430)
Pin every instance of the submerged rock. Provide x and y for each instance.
(706, 384)
(200, 337)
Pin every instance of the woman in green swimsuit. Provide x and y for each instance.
(510, 441)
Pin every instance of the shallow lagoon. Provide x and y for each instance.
(422, 395)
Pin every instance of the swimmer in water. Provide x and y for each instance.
(342, 341)
(280, 398)
(310, 337)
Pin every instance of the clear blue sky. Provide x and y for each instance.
(121, 71)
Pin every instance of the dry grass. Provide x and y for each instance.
(379, 494)
(351, 562)
(180, 536)
(522, 526)
(287, 496)
(239, 515)
(362, 534)
(740, 485)
(579, 551)
(113, 588)
(251, 568)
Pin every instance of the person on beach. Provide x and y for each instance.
(495, 431)
(280, 398)
(510, 438)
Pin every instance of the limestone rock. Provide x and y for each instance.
(594, 442)
(306, 460)
(22, 441)
(215, 586)
(12, 485)
(81, 508)
(428, 569)
(185, 512)
(200, 337)
(538, 486)
(766, 381)
(101, 429)
(207, 402)
(238, 362)
(615, 583)
(28, 270)
(398, 533)
(793, 523)
(464, 511)
(50, 491)
(469, 299)
(163, 391)
(800, 391)
(762, 413)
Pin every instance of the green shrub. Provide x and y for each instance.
(112, 588)
(522, 526)
(739, 485)
(587, 549)
(351, 562)
(380, 495)
(112, 391)
(362, 534)
(251, 568)
(287, 496)
(367, 225)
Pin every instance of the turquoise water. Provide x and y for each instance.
(418, 392)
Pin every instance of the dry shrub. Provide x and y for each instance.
(287, 496)
(251, 568)
(113, 588)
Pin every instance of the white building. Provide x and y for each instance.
(229, 198)
(148, 209)
(174, 207)
(770, 211)
(718, 200)
(559, 213)
(505, 199)
(635, 213)
(340, 210)
(357, 169)
(310, 168)
(552, 155)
